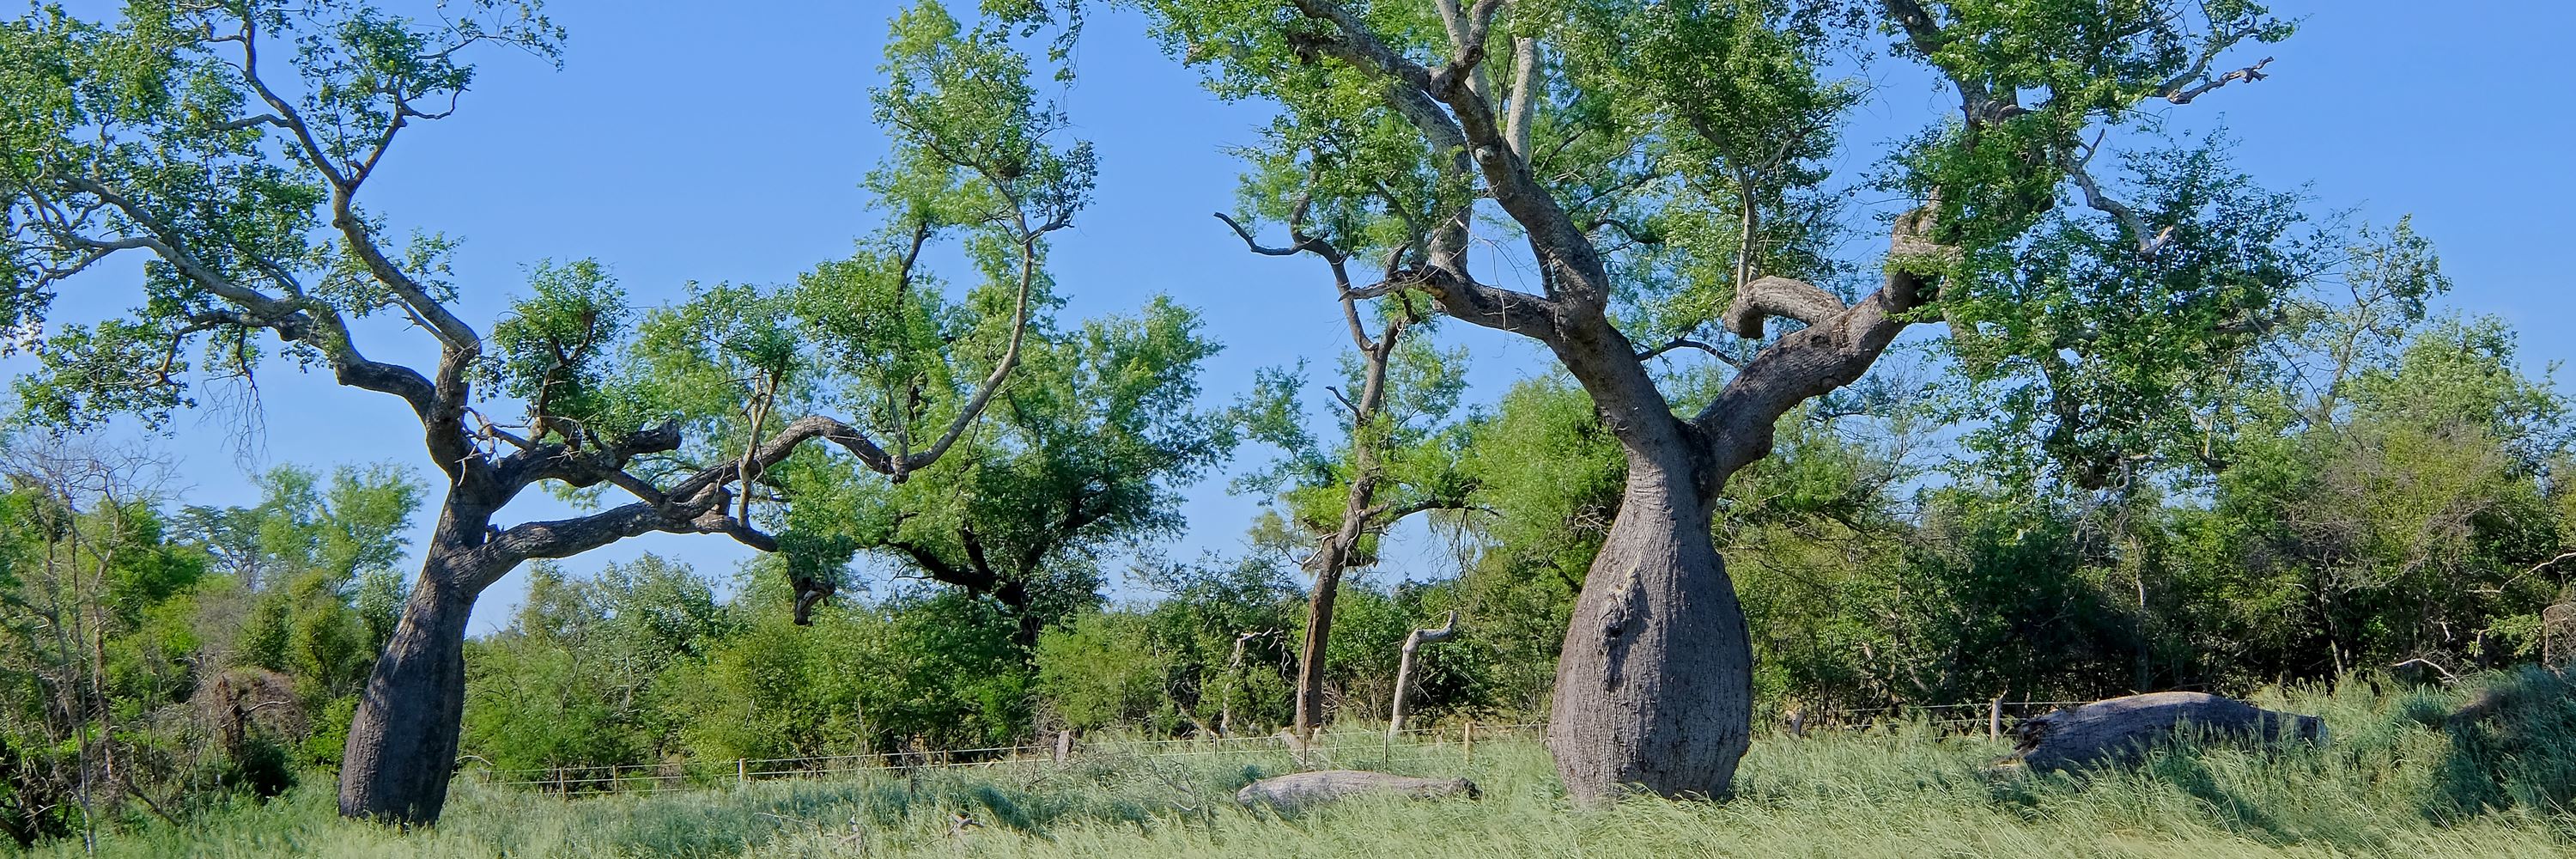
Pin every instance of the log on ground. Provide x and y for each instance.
(2118, 730)
(1297, 790)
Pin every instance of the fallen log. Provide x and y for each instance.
(1297, 790)
(2118, 730)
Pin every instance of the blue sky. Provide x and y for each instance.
(725, 142)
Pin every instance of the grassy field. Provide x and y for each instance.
(2396, 781)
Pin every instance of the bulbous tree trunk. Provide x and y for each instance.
(1654, 687)
(403, 738)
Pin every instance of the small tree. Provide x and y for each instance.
(1398, 454)
(229, 144)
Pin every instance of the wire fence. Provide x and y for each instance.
(1373, 746)
(1447, 742)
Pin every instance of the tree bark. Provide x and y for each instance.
(403, 738)
(1654, 687)
(1310, 665)
(1413, 642)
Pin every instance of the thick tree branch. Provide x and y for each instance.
(904, 466)
(941, 570)
(1832, 352)
(2179, 90)
(1524, 103)
(293, 320)
(1925, 34)
(450, 330)
(1778, 296)
(1687, 343)
(1472, 136)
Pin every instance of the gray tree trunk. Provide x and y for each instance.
(1396, 710)
(1310, 663)
(1654, 687)
(403, 738)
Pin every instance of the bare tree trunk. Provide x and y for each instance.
(1310, 663)
(1654, 688)
(1233, 685)
(403, 738)
(1395, 711)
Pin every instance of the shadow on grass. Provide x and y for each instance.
(2513, 745)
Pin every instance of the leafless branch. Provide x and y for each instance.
(2178, 95)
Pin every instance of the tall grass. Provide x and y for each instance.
(2398, 779)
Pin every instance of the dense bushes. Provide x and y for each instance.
(2412, 505)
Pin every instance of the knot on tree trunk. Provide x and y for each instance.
(2120, 730)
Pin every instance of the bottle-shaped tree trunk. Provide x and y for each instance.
(403, 738)
(1654, 689)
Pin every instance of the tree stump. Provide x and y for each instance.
(1298, 790)
(2118, 730)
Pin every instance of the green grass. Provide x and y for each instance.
(2396, 781)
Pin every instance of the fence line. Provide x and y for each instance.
(943, 758)
(699, 774)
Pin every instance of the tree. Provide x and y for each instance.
(179, 134)
(1084, 452)
(88, 644)
(313, 589)
(1399, 448)
(1600, 151)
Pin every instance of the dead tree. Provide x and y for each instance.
(1404, 670)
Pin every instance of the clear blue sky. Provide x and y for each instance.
(724, 142)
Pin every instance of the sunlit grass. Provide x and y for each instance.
(2395, 782)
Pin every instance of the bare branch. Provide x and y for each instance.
(1687, 343)
(974, 409)
(1346, 402)
(249, 122)
(2249, 74)
(1255, 245)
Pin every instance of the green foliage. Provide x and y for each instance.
(548, 351)
(1411, 444)
(182, 658)
(1085, 452)
(1552, 475)
(578, 678)
(2106, 361)
(147, 127)
(1100, 670)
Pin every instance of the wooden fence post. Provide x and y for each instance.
(1995, 719)
(741, 772)
(1468, 741)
